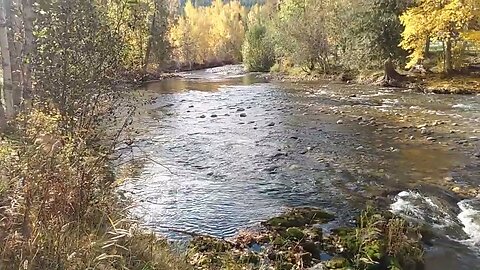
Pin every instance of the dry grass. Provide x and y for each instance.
(59, 208)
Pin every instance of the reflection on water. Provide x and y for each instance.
(226, 151)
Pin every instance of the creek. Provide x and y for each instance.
(227, 150)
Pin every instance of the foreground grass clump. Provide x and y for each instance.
(58, 205)
(295, 240)
(379, 241)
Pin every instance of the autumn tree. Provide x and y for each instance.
(445, 21)
(300, 33)
(75, 60)
(212, 34)
(142, 26)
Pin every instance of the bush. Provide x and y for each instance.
(258, 54)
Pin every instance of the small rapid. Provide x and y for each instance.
(470, 219)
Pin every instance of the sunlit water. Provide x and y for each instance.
(227, 150)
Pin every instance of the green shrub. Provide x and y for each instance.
(258, 54)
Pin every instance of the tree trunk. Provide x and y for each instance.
(3, 120)
(448, 56)
(28, 48)
(7, 69)
(392, 78)
(148, 50)
(16, 48)
(426, 52)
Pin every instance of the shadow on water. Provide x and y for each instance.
(239, 150)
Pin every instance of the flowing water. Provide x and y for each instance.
(224, 150)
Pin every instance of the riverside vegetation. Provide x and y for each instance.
(61, 123)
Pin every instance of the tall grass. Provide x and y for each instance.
(59, 208)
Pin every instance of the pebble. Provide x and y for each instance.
(340, 121)
(431, 139)
(191, 106)
(213, 115)
(271, 124)
(454, 124)
(240, 109)
(202, 116)
(425, 131)
(243, 115)
(359, 148)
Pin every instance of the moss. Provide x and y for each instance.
(300, 217)
(337, 263)
(294, 233)
(380, 240)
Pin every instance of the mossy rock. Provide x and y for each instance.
(314, 233)
(337, 263)
(343, 231)
(299, 217)
(284, 266)
(208, 244)
(294, 233)
(313, 248)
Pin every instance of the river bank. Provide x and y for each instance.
(466, 83)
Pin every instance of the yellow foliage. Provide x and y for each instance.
(439, 20)
(205, 34)
(472, 36)
(130, 19)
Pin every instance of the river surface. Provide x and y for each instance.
(221, 151)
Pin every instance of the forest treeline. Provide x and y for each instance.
(327, 36)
